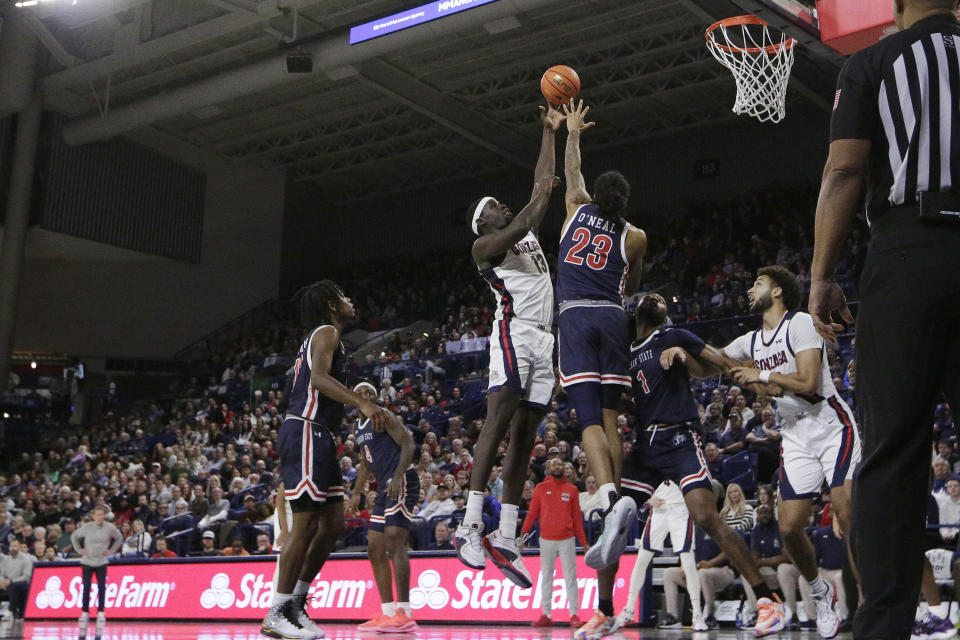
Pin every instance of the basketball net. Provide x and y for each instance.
(760, 63)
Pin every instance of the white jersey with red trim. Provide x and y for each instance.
(521, 284)
(776, 352)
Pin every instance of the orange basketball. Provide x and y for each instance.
(559, 84)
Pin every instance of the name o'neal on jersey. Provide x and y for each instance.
(610, 226)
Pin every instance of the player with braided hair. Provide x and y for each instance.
(308, 456)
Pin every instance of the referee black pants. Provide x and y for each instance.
(907, 358)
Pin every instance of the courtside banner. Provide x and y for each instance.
(441, 589)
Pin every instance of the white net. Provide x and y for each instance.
(760, 62)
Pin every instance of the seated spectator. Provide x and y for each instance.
(162, 550)
(264, 548)
(442, 539)
(766, 546)
(208, 545)
(526, 495)
(590, 499)
(441, 505)
(495, 483)
(15, 570)
(736, 512)
(347, 471)
(764, 440)
(734, 438)
(198, 502)
(941, 473)
(218, 510)
(236, 549)
(49, 555)
(715, 574)
(711, 451)
(137, 543)
(713, 422)
(948, 504)
(946, 449)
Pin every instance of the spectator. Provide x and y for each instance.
(264, 547)
(736, 512)
(235, 549)
(15, 570)
(209, 545)
(441, 534)
(714, 460)
(949, 507)
(495, 483)
(162, 550)
(734, 438)
(347, 471)
(715, 574)
(764, 440)
(137, 544)
(441, 505)
(590, 499)
(218, 510)
(941, 473)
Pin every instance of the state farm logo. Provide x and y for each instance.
(51, 596)
(127, 593)
(429, 592)
(219, 594)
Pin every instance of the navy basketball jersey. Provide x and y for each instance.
(305, 401)
(592, 263)
(381, 452)
(663, 397)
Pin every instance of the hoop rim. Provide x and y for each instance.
(744, 20)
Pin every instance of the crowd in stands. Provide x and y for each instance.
(195, 473)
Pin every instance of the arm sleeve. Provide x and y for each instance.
(689, 341)
(801, 335)
(532, 513)
(739, 349)
(578, 520)
(855, 104)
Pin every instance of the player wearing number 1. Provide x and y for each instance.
(509, 257)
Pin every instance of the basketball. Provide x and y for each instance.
(559, 84)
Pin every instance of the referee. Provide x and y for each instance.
(896, 132)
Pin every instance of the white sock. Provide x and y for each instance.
(638, 576)
(818, 587)
(689, 564)
(474, 513)
(405, 608)
(508, 520)
(302, 588)
(605, 491)
(388, 609)
(280, 598)
(939, 610)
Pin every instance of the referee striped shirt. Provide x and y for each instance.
(903, 94)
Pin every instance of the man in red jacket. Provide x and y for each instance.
(556, 503)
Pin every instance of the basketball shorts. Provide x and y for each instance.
(673, 519)
(308, 465)
(389, 513)
(594, 346)
(666, 454)
(521, 358)
(820, 444)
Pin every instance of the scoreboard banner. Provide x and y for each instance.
(442, 589)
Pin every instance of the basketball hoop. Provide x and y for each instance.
(760, 63)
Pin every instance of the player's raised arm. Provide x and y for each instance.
(576, 186)
(547, 161)
(325, 344)
(636, 249)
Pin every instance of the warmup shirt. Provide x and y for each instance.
(557, 504)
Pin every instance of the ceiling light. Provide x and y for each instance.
(33, 364)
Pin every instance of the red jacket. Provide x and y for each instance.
(558, 502)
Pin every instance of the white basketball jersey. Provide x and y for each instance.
(521, 283)
(776, 351)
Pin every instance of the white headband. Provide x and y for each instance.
(364, 385)
(476, 213)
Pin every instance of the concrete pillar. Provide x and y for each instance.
(15, 227)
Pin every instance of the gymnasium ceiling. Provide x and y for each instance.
(410, 117)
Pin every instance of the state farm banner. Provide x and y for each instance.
(442, 589)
